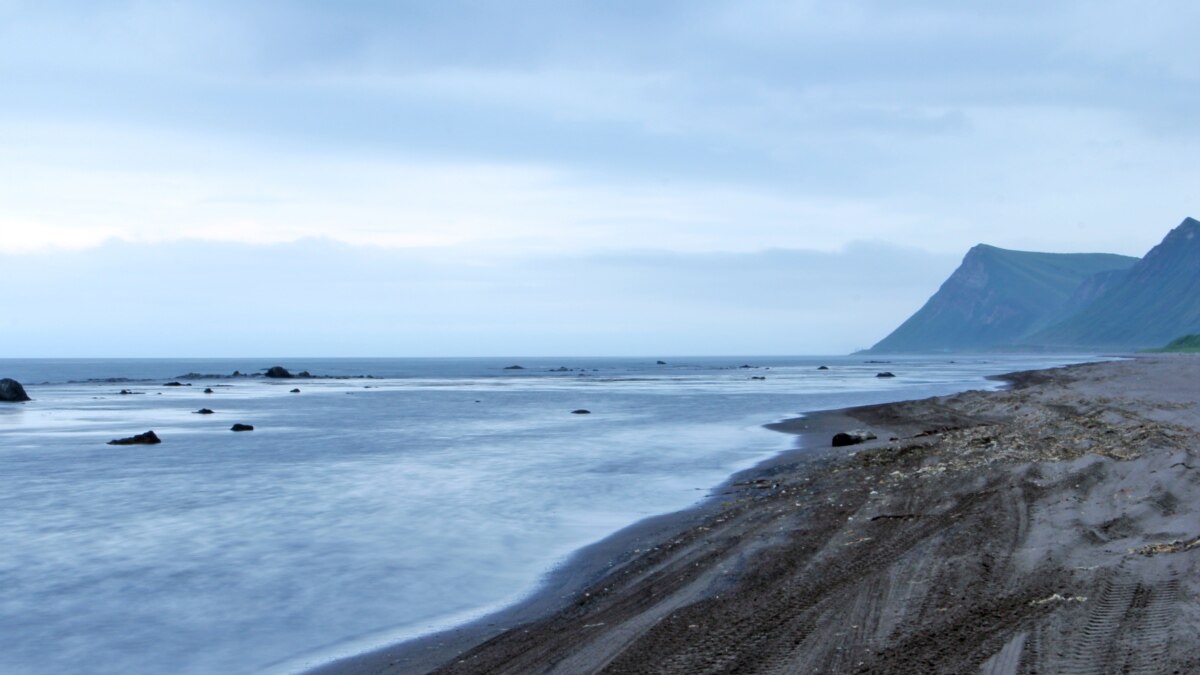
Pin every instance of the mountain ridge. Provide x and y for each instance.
(998, 296)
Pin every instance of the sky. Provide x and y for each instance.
(563, 178)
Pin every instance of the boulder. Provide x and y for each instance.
(660, 363)
(581, 411)
(823, 368)
(304, 373)
(758, 377)
(885, 374)
(843, 438)
(204, 411)
(242, 427)
(12, 391)
(148, 438)
(514, 367)
(208, 390)
(295, 391)
(175, 384)
(278, 372)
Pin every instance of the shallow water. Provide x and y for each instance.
(359, 511)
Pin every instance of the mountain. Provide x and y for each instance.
(997, 297)
(1154, 302)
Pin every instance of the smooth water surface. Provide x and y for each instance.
(359, 511)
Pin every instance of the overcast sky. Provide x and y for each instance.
(556, 177)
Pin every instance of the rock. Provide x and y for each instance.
(745, 365)
(757, 377)
(295, 391)
(176, 384)
(148, 438)
(581, 411)
(125, 392)
(843, 438)
(514, 367)
(242, 427)
(278, 372)
(208, 390)
(885, 374)
(660, 363)
(823, 368)
(236, 373)
(204, 411)
(560, 369)
(304, 373)
(12, 391)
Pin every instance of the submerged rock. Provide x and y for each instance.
(176, 384)
(514, 367)
(885, 374)
(843, 438)
(148, 438)
(208, 390)
(12, 391)
(295, 391)
(660, 363)
(823, 368)
(204, 411)
(757, 377)
(581, 411)
(279, 372)
(242, 427)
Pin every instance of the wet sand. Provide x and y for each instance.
(1050, 528)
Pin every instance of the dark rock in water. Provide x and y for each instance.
(279, 372)
(843, 438)
(514, 367)
(237, 373)
(242, 427)
(124, 392)
(295, 391)
(12, 391)
(823, 368)
(204, 411)
(560, 369)
(660, 363)
(148, 438)
(885, 374)
(757, 377)
(304, 373)
(745, 365)
(176, 384)
(208, 390)
(581, 411)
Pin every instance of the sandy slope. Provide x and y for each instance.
(1051, 528)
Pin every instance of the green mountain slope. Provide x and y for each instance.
(997, 297)
(1188, 344)
(1156, 301)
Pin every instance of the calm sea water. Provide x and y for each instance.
(360, 511)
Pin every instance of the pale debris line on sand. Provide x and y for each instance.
(1176, 546)
(1059, 598)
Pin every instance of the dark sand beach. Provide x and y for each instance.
(1053, 527)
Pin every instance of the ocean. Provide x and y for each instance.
(361, 510)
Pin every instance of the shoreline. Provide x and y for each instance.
(1047, 527)
(587, 565)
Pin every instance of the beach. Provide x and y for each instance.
(1047, 527)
